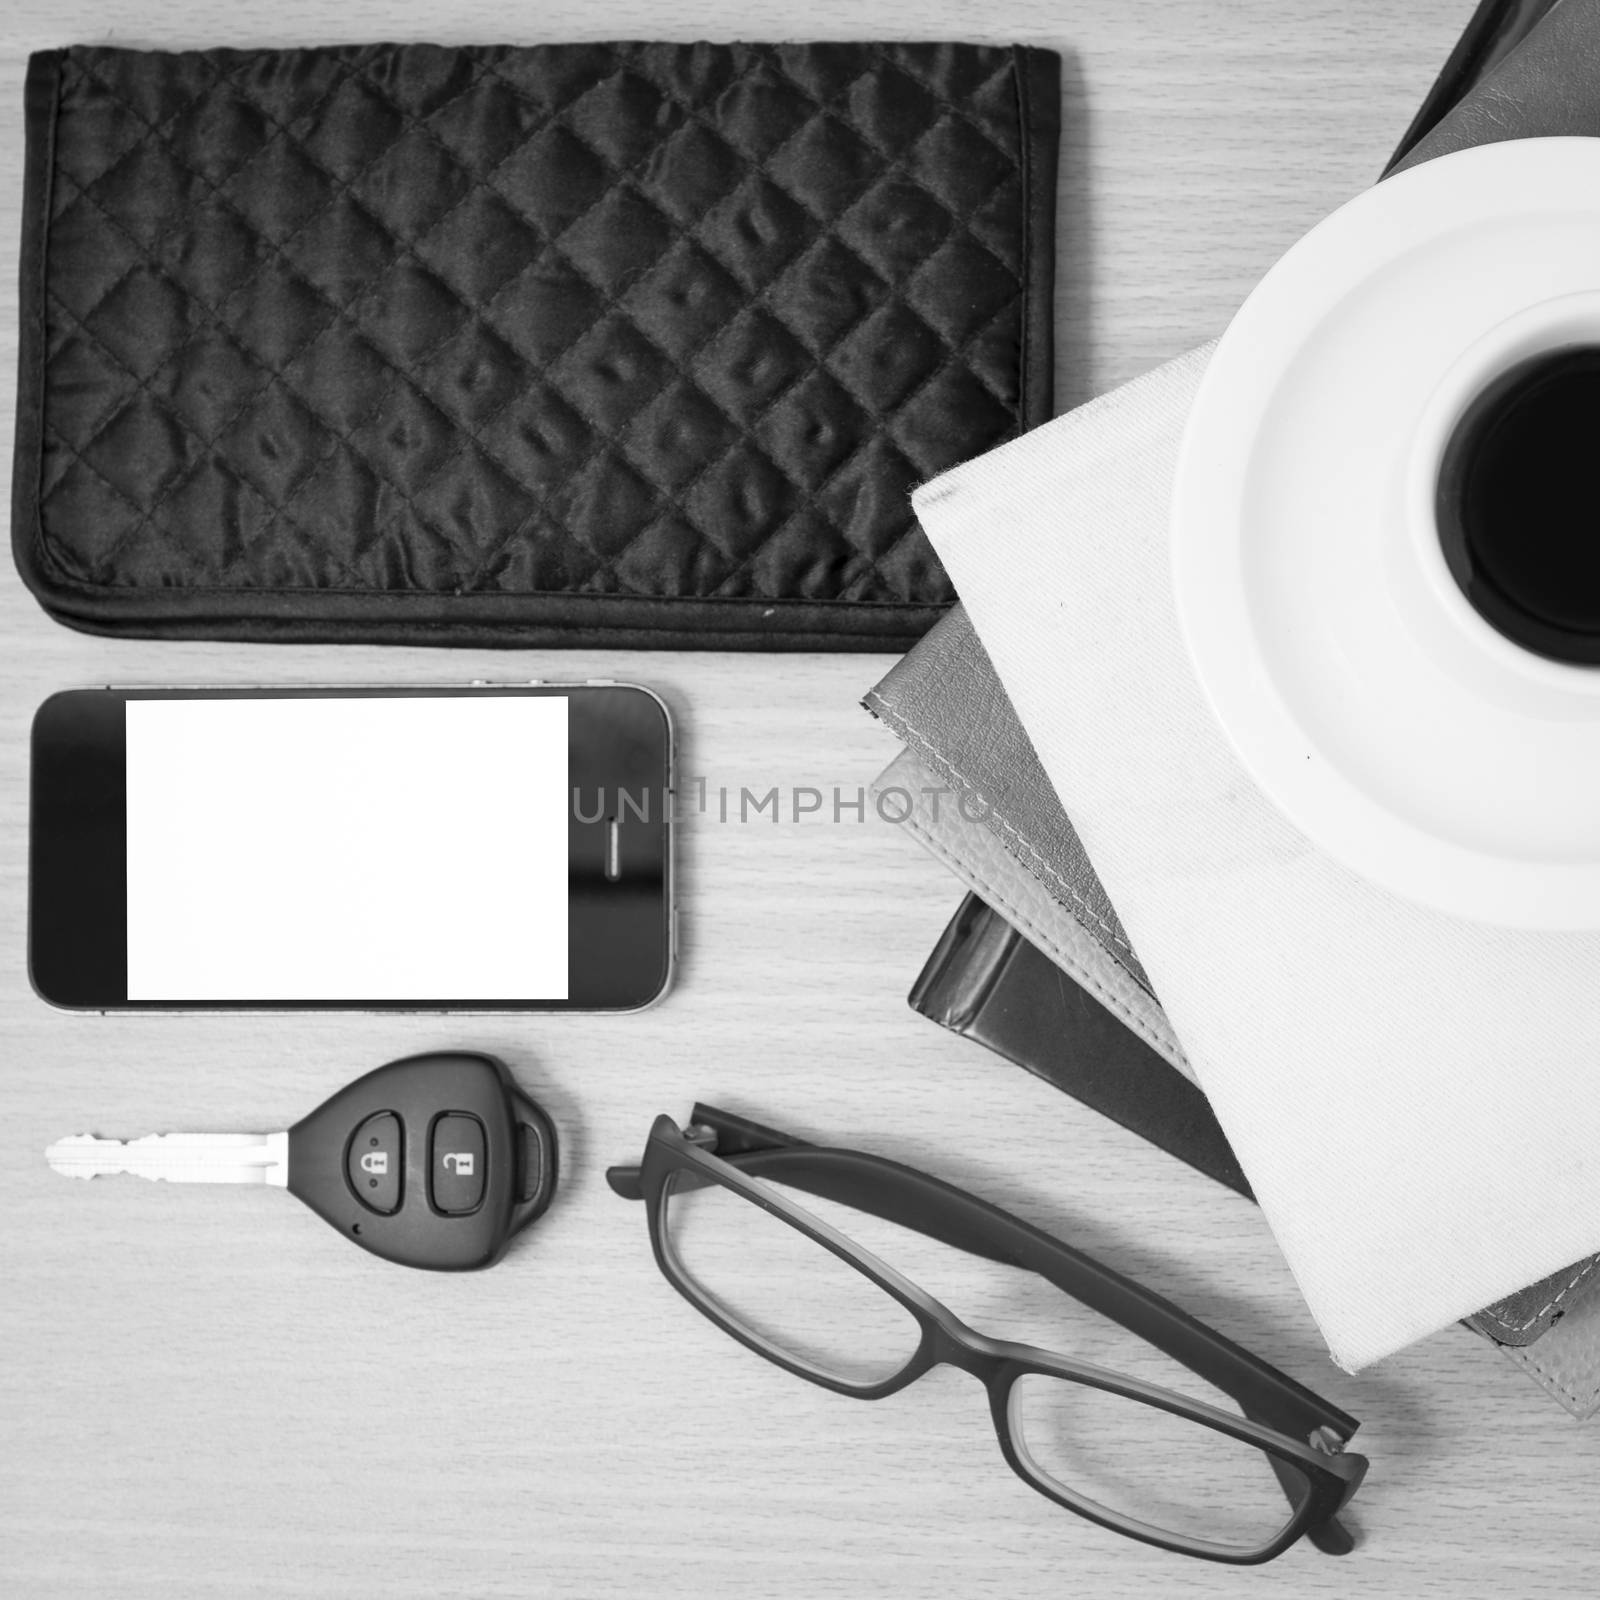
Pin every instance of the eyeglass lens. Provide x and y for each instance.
(1147, 1464)
(782, 1288)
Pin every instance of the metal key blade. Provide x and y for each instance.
(177, 1157)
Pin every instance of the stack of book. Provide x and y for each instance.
(972, 790)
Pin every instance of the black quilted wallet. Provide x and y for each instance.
(598, 344)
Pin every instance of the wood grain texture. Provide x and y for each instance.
(207, 1393)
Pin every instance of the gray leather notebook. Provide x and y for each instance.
(1003, 831)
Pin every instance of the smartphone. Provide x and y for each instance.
(477, 848)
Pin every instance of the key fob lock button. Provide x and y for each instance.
(375, 1163)
(456, 1164)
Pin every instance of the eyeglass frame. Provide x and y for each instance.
(1298, 1431)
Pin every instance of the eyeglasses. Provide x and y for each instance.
(1145, 1460)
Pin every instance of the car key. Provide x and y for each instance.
(435, 1161)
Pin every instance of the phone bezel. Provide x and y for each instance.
(621, 933)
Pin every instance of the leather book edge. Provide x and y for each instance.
(1494, 30)
(988, 983)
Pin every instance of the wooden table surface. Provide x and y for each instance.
(204, 1392)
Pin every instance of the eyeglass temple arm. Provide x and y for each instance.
(730, 1136)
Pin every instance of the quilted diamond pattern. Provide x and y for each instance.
(616, 320)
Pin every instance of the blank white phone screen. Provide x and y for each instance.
(342, 848)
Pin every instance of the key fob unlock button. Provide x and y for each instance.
(374, 1162)
(456, 1164)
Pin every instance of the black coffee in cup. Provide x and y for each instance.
(1519, 504)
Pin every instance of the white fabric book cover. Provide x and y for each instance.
(1415, 1098)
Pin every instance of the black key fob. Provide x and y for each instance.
(436, 1161)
